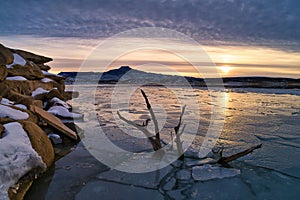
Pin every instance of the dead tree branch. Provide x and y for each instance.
(225, 160)
(151, 114)
(154, 142)
(154, 139)
(178, 134)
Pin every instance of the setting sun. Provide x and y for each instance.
(225, 69)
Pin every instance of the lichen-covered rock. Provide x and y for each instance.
(31, 56)
(3, 72)
(6, 56)
(40, 142)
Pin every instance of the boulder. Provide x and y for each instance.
(6, 56)
(30, 71)
(31, 56)
(30, 116)
(54, 122)
(23, 87)
(50, 95)
(44, 67)
(3, 72)
(40, 142)
(23, 99)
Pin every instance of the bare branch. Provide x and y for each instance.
(180, 120)
(155, 143)
(151, 114)
(225, 160)
(140, 127)
(146, 122)
(178, 134)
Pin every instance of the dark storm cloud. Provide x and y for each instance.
(272, 22)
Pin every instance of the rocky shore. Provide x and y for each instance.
(33, 109)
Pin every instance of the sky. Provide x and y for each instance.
(242, 37)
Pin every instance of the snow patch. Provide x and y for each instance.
(17, 157)
(56, 139)
(21, 106)
(64, 112)
(50, 74)
(38, 91)
(16, 78)
(18, 60)
(46, 80)
(11, 113)
(7, 102)
(57, 101)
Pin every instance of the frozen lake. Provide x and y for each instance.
(251, 116)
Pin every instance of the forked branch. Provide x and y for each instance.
(154, 139)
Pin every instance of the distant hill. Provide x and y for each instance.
(125, 74)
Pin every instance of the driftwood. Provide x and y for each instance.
(225, 160)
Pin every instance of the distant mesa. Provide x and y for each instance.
(126, 74)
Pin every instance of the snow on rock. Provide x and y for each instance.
(57, 101)
(21, 106)
(64, 112)
(17, 157)
(46, 80)
(6, 111)
(38, 91)
(209, 172)
(18, 60)
(7, 102)
(50, 74)
(16, 78)
(56, 139)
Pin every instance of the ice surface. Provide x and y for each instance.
(209, 172)
(107, 190)
(16, 78)
(18, 60)
(6, 111)
(38, 91)
(17, 157)
(253, 116)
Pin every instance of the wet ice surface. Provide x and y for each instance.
(270, 117)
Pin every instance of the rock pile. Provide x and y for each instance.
(32, 106)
